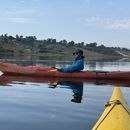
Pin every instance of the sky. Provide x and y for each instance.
(103, 21)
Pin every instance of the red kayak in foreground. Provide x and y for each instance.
(41, 71)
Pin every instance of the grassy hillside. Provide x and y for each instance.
(31, 48)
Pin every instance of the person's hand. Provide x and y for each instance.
(57, 69)
(53, 67)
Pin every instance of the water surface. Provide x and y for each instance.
(30, 103)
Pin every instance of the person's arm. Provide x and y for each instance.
(76, 66)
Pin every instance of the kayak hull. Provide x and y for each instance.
(40, 71)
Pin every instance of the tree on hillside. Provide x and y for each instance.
(94, 44)
(49, 41)
(30, 39)
(82, 43)
(64, 42)
(71, 43)
(5, 38)
(54, 41)
(101, 46)
(17, 37)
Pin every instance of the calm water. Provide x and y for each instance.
(31, 104)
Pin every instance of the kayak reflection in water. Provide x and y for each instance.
(77, 65)
(77, 89)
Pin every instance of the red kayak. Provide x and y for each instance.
(41, 71)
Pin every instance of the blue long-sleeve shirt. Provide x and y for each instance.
(76, 66)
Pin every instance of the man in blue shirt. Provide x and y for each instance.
(77, 65)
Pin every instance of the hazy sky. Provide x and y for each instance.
(103, 21)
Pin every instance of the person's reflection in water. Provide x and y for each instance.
(77, 89)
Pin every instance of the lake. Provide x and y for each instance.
(34, 104)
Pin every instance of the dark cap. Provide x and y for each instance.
(78, 52)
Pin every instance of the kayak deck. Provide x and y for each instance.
(116, 115)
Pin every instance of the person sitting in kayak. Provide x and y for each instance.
(78, 63)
